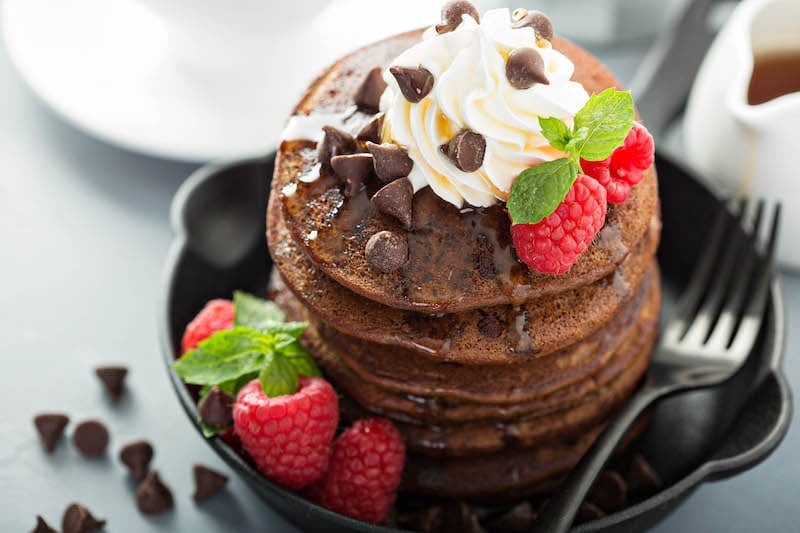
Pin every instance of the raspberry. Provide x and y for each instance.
(289, 437)
(365, 471)
(625, 167)
(216, 315)
(554, 244)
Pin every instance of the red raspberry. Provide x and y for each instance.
(554, 244)
(289, 437)
(626, 166)
(365, 471)
(216, 315)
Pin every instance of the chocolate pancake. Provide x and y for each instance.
(459, 259)
(490, 335)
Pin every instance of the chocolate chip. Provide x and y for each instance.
(136, 456)
(524, 68)
(113, 378)
(371, 131)
(368, 95)
(334, 142)
(642, 480)
(353, 169)
(42, 526)
(207, 482)
(216, 408)
(395, 200)
(50, 427)
(91, 438)
(451, 15)
(537, 20)
(609, 491)
(466, 151)
(518, 519)
(391, 161)
(152, 496)
(588, 512)
(490, 326)
(415, 83)
(78, 519)
(387, 251)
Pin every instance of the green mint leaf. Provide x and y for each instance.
(209, 431)
(278, 377)
(538, 190)
(255, 312)
(607, 117)
(291, 329)
(299, 358)
(556, 131)
(224, 357)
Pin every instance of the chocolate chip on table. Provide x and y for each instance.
(368, 95)
(113, 379)
(524, 68)
(371, 131)
(642, 480)
(353, 169)
(387, 251)
(78, 519)
(42, 526)
(414, 83)
(91, 438)
(451, 15)
(207, 482)
(334, 142)
(216, 408)
(395, 199)
(466, 151)
(152, 496)
(609, 491)
(137, 456)
(391, 161)
(50, 426)
(588, 512)
(537, 20)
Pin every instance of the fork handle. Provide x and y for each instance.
(558, 514)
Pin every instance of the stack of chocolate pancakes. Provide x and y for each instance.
(499, 378)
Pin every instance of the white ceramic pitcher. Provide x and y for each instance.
(750, 149)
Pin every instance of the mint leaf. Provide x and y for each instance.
(607, 117)
(538, 190)
(291, 329)
(225, 356)
(299, 358)
(278, 377)
(556, 131)
(210, 431)
(255, 312)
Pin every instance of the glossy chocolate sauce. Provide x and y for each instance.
(774, 74)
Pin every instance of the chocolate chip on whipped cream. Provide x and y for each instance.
(368, 95)
(414, 83)
(453, 11)
(395, 199)
(537, 20)
(525, 68)
(387, 251)
(371, 131)
(466, 151)
(334, 142)
(391, 161)
(353, 170)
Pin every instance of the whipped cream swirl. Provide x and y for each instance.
(471, 92)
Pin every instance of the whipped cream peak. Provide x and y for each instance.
(471, 92)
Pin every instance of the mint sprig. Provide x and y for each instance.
(599, 128)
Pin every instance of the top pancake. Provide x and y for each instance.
(459, 259)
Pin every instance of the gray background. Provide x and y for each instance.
(83, 234)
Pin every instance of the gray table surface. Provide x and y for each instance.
(83, 234)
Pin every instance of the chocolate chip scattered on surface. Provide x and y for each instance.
(371, 131)
(91, 438)
(137, 456)
(368, 95)
(50, 427)
(334, 142)
(113, 379)
(466, 151)
(152, 496)
(207, 482)
(452, 15)
(542, 26)
(395, 199)
(42, 526)
(78, 519)
(387, 251)
(524, 68)
(216, 408)
(353, 170)
(415, 83)
(391, 161)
